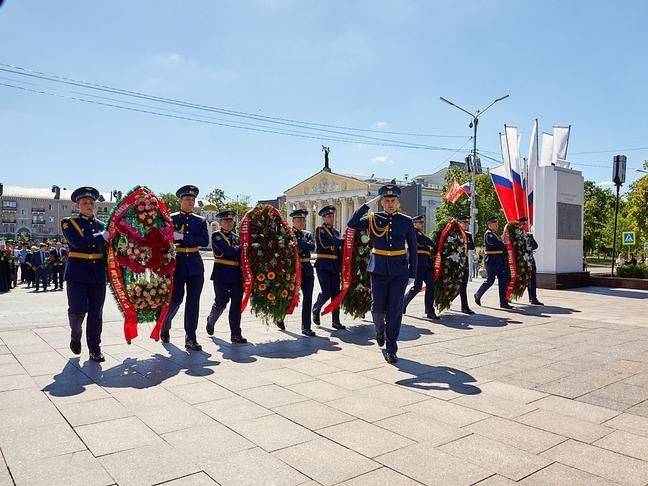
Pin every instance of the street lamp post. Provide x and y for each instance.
(618, 177)
(473, 167)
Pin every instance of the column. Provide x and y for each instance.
(344, 214)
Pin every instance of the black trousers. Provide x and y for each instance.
(225, 292)
(307, 300)
(57, 276)
(330, 285)
(86, 298)
(495, 271)
(423, 275)
(463, 291)
(533, 285)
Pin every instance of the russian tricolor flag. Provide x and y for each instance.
(504, 189)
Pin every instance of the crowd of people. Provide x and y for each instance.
(630, 259)
(36, 266)
(400, 256)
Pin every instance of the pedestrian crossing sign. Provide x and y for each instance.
(629, 238)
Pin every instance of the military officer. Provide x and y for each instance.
(226, 276)
(190, 233)
(329, 249)
(390, 265)
(533, 292)
(495, 264)
(464, 221)
(85, 272)
(424, 269)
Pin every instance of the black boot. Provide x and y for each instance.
(214, 314)
(478, 300)
(238, 340)
(431, 315)
(316, 318)
(308, 332)
(467, 310)
(192, 345)
(281, 325)
(338, 326)
(76, 330)
(97, 356)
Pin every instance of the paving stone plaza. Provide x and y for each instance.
(553, 395)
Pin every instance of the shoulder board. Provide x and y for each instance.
(404, 214)
(306, 233)
(200, 218)
(175, 214)
(380, 214)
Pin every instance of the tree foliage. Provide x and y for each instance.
(172, 202)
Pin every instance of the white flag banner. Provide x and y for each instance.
(546, 153)
(505, 156)
(560, 142)
(513, 145)
(532, 164)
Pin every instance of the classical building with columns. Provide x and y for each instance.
(349, 192)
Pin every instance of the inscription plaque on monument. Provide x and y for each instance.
(569, 221)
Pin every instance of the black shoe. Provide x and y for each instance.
(477, 300)
(192, 345)
(432, 316)
(380, 340)
(506, 305)
(536, 302)
(164, 336)
(281, 325)
(404, 310)
(210, 328)
(466, 310)
(338, 326)
(97, 357)
(316, 319)
(238, 340)
(308, 332)
(391, 358)
(75, 346)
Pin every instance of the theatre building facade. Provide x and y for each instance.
(422, 195)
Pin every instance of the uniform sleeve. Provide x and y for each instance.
(328, 240)
(306, 243)
(77, 239)
(199, 239)
(221, 249)
(471, 242)
(534, 243)
(359, 221)
(411, 250)
(426, 240)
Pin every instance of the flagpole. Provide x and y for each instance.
(473, 169)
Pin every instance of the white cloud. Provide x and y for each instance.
(381, 124)
(605, 184)
(382, 159)
(169, 58)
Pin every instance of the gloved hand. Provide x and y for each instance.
(177, 235)
(373, 203)
(104, 234)
(411, 281)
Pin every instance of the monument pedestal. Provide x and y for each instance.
(558, 227)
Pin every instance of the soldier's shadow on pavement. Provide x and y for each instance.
(542, 310)
(440, 378)
(299, 347)
(131, 373)
(466, 323)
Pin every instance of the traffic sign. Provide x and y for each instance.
(629, 238)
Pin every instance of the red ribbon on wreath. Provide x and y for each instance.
(296, 263)
(347, 270)
(246, 269)
(438, 260)
(513, 269)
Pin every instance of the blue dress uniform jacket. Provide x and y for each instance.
(194, 229)
(425, 249)
(463, 290)
(226, 249)
(390, 266)
(85, 274)
(495, 266)
(227, 279)
(533, 281)
(79, 232)
(329, 248)
(189, 271)
(306, 246)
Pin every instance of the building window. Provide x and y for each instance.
(8, 204)
(50, 207)
(65, 207)
(50, 219)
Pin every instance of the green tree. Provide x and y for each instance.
(486, 202)
(217, 198)
(172, 202)
(598, 211)
(240, 205)
(637, 207)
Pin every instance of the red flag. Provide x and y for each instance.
(454, 192)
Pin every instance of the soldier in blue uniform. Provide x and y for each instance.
(424, 269)
(226, 276)
(306, 246)
(533, 286)
(329, 250)
(190, 234)
(495, 264)
(85, 272)
(464, 221)
(390, 265)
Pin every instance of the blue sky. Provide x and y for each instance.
(368, 64)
